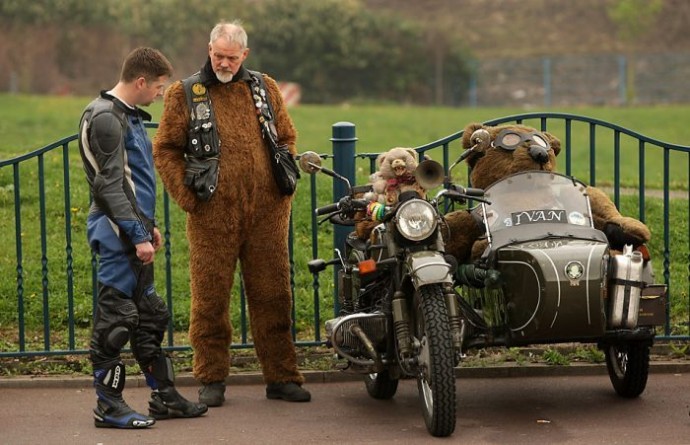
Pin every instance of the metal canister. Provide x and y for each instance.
(625, 287)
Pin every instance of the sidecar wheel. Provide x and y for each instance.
(436, 361)
(380, 385)
(628, 366)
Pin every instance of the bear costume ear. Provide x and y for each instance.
(554, 142)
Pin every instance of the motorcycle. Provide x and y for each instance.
(399, 314)
(546, 276)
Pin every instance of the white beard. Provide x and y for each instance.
(224, 76)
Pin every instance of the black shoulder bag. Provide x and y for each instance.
(285, 170)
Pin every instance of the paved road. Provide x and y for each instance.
(560, 409)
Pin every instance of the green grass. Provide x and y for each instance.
(31, 122)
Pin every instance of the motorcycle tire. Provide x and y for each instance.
(436, 359)
(380, 385)
(628, 367)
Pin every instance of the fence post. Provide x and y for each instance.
(344, 142)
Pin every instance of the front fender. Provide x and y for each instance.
(427, 268)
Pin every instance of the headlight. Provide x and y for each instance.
(416, 219)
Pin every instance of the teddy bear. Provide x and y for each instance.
(394, 175)
(511, 149)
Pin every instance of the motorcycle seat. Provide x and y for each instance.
(357, 243)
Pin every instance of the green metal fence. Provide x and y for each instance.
(48, 290)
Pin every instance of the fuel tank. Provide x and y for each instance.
(625, 288)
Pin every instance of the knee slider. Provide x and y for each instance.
(117, 338)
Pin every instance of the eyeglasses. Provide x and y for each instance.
(510, 139)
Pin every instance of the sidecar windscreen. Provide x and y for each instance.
(537, 205)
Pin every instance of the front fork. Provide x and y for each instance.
(401, 322)
(457, 323)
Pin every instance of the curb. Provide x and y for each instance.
(334, 376)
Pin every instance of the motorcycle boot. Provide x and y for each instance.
(111, 410)
(166, 402)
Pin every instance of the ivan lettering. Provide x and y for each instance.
(538, 216)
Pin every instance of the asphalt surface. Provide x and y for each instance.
(501, 405)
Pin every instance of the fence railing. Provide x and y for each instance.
(48, 291)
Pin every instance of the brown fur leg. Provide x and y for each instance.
(270, 301)
(212, 266)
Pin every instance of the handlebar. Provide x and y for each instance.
(346, 205)
(330, 208)
(459, 193)
(468, 191)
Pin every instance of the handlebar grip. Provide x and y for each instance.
(330, 208)
(470, 191)
(360, 204)
(346, 205)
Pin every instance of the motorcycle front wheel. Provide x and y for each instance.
(380, 385)
(436, 360)
(628, 367)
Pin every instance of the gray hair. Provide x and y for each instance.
(233, 32)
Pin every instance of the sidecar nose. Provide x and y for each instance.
(539, 154)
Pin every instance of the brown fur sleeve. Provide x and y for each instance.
(463, 231)
(604, 212)
(287, 134)
(169, 145)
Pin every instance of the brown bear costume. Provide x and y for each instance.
(493, 163)
(246, 219)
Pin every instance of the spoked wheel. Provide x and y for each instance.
(436, 379)
(380, 385)
(628, 366)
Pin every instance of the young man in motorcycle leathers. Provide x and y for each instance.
(118, 161)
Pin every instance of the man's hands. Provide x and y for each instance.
(146, 251)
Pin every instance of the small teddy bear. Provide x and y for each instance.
(395, 174)
(514, 148)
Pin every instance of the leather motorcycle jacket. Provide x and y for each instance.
(118, 162)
